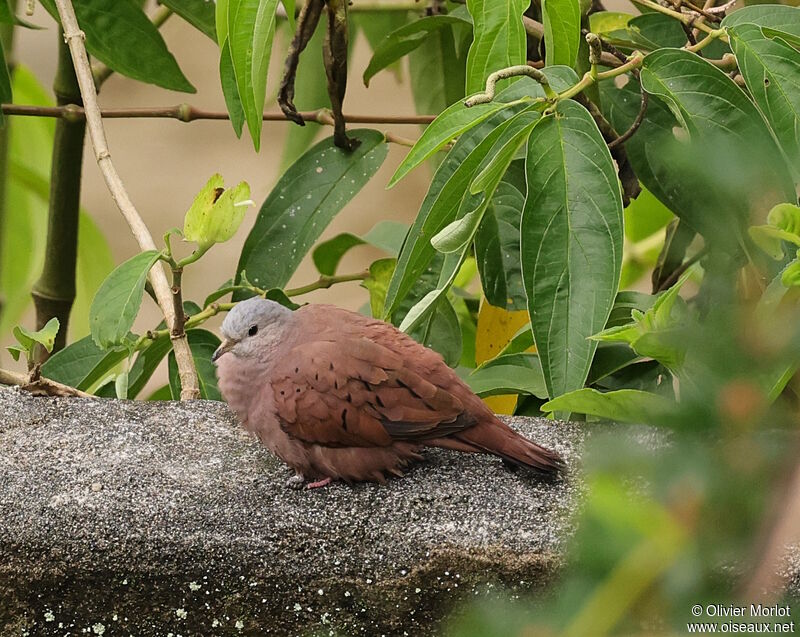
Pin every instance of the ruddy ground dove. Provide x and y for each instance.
(337, 395)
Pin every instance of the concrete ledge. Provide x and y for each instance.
(122, 517)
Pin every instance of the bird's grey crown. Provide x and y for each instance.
(255, 311)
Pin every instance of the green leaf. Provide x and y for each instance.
(513, 134)
(776, 19)
(497, 249)
(227, 79)
(7, 16)
(438, 67)
(603, 22)
(655, 332)
(380, 272)
(203, 344)
(146, 363)
(771, 71)
(251, 27)
(46, 337)
(305, 200)
(519, 373)
(121, 385)
(441, 332)
(120, 35)
(456, 238)
(454, 121)
(443, 202)
(405, 39)
(562, 31)
(712, 170)
(198, 13)
(624, 405)
(117, 302)
(571, 242)
(216, 213)
(82, 364)
(498, 39)
(384, 235)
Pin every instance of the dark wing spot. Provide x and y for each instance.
(316, 376)
(331, 366)
(379, 401)
(349, 398)
(344, 419)
(296, 370)
(336, 384)
(297, 391)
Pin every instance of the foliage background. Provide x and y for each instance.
(165, 162)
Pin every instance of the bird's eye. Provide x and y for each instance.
(253, 330)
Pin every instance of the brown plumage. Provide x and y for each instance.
(338, 395)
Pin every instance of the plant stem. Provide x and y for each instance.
(41, 385)
(54, 292)
(688, 20)
(324, 282)
(188, 113)
(75, 37)
(7, 42)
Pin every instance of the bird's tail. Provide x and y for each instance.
(501, 440)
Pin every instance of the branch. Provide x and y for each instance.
(533, 28)
(75, 38)
(40, 386)
(504, 74)
(636, 123)
(188, 113)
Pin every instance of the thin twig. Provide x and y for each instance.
(636, 123)
(533, 28)
(75, 39)
(187, 113)
(504, 74)
(41, 386)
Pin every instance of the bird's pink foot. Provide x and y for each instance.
(319, 483)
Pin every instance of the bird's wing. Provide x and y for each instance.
(348, 390)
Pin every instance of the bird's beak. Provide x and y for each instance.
(225, 346)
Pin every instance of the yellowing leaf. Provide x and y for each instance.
(496, 327)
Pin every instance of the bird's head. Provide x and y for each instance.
(252, 327)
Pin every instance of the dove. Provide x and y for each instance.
(341, 396)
